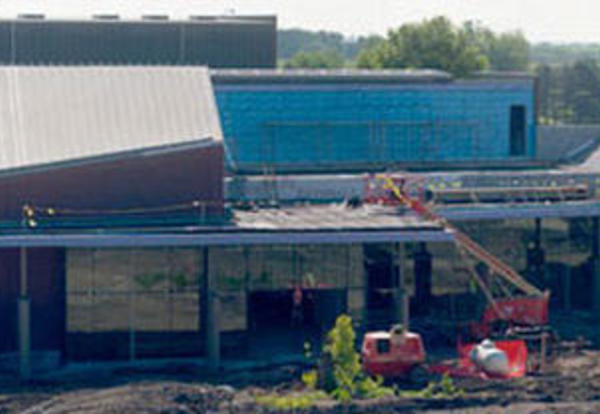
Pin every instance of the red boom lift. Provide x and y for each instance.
(521, 306)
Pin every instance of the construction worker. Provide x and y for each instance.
(297, 312)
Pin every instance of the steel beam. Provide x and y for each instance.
(596, 266)
(225, 238)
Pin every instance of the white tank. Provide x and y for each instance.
(490, 359)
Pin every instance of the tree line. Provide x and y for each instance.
(568, 75)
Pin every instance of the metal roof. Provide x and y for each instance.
(227, 76)
(57, 114)
(107, 18)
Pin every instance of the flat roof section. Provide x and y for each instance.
(254, 76)
(326, 224)
(364, 76)
(148, 18)
(334, 217)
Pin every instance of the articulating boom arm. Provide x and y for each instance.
(464, 242)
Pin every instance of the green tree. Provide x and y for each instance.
(582, 92)
(509, 51)
(292, 41)
(434, 44)
(546, 113)
(505, 51)
(345, 359)
(315, 60)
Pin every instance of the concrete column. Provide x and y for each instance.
(595, 282)
(567, 287)
(210, 315)
(401, 296)
(536, 257)
(423, 267)
(24, 320)
(214, 331)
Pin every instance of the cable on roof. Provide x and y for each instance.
(31, 214)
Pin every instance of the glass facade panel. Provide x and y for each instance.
(137, 302)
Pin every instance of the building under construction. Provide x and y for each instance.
(173, 211)
(133, 244)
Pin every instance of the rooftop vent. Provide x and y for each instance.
(155, 17)
(32, 16)
(105, 17)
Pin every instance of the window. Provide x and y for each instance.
(517, 130)
(383, 346)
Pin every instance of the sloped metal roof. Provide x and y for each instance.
(59, 114)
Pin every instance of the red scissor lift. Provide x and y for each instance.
(520, 308)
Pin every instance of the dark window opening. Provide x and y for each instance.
(517, 130)
(383, 346)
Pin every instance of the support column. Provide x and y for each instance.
(595, 282)
(423, 266)
(24, 320)
(536, 257)
(401, 296)
(567, 287)
(210, 316)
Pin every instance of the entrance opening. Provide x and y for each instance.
(278, 326)
(382, 277)
(517, 130)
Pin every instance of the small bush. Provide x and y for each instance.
(340, 372)
(448, 388)
(445, 388)
(374, 388)
(309, 379)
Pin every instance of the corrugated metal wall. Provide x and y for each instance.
(230, 43)
(307, 126)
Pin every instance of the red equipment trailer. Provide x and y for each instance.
(392, 355)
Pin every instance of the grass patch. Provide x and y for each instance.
(291, 401)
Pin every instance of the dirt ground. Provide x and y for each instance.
(570, 384)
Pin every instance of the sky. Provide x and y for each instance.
(560, 21)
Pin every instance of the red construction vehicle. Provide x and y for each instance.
(521, 305)
(392, 354)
